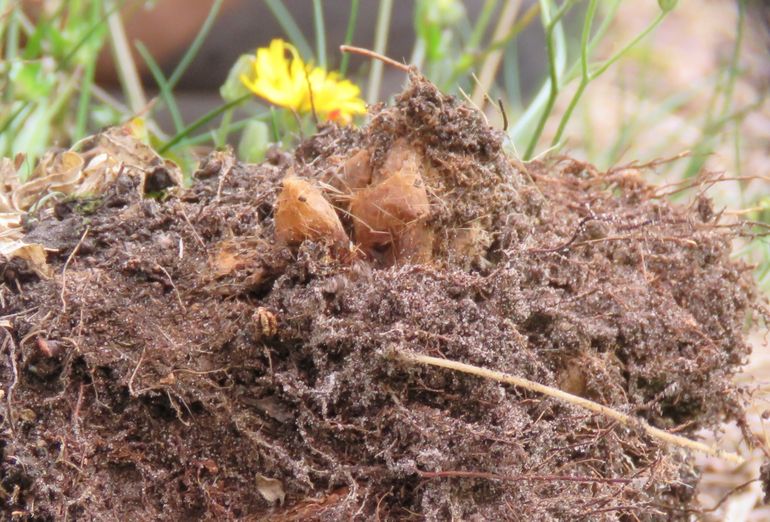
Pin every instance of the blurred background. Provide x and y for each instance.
(705, 60)
(244, 25)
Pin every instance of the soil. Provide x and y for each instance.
(205, 355)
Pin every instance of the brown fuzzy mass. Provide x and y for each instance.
(186, 362)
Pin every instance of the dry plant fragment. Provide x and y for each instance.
(264, 323)
(302, 212)
(471, 243)
(271, 489)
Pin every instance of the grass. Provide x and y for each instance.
(49, 96)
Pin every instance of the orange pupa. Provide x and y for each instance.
(389, 219)
(302, 212)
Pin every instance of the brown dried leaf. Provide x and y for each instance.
(233, 255)
(32, 253)
(55, 173)
(401, 157)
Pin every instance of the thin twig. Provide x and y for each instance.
(729, 494)
(195, 232)
(502, 112)
(64, 270)
(575, 400)
(176, 291)
(650, 164)
(373, 55)
(76, 411)
(578, 230)
(133, 374)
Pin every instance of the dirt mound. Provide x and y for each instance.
(212, 355)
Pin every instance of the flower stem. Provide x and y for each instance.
(200, 122)
(585, 77)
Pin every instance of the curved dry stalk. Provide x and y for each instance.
(575, 400)
(374, 55)
(64, 270)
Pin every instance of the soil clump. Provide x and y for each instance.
(227, 351)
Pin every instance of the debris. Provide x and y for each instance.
(270, 489)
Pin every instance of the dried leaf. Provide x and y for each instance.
(105, 156)
(32, 253)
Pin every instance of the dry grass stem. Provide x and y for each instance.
(64, 270)
(575, 400)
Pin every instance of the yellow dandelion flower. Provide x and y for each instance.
(287, 81)
(334, 98)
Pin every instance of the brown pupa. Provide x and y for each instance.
(356, 172)
(401, 157)
(302, 212)
(389, 219)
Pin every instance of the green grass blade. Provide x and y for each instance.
(232, 126)
(585, 78)
(200, 122)
(710, 130)
(7, 123)
(12, 33)
(290, 27)
(320, 33)
(3, 24)
(630, 45)
(124, 61)
(354, 6)
(380, 42)
(195, 46)
(482, 22)
(556, 46)
(164, 86)
(84, 101)
(95, 27)
(11, 46)
(511, 77)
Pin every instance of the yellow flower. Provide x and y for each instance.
(289, 82)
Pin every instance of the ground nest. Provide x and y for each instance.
(230, 351)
